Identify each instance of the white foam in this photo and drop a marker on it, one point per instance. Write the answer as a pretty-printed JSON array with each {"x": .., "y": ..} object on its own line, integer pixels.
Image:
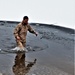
[
  {"x": 19, "y": 49},
  {"x": 16, "y": 48}
]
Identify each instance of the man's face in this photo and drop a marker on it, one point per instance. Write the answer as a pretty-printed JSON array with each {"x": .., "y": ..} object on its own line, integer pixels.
[{"x": 25, "y": 21}]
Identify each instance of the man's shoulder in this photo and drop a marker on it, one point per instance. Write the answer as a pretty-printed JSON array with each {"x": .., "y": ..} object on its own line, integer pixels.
[
  {"x": 19, "y": 24},
  {"x": 28, "y": 25}
]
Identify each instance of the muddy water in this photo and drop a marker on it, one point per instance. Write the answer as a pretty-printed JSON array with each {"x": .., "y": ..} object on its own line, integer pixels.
[{"x": 53, "y": 50}]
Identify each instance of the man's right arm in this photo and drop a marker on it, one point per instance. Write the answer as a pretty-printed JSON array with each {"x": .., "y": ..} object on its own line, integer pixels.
[{"x": 16, "y": 31}]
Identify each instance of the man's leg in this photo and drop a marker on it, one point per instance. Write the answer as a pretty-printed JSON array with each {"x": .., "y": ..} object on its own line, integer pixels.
[
  {"x": 24, "y": 44},
  {"x": 19, "y": 44}
]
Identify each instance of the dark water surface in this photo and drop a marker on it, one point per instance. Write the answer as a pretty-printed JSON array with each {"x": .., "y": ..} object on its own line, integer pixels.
[{"x": 52, "y": 51}]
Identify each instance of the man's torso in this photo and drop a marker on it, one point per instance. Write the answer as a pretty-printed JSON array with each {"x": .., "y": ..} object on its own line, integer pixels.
[{"x": 23, "y": 31}]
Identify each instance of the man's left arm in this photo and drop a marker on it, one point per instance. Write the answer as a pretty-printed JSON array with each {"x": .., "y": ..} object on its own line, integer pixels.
[{"x": 31, "y": 30}]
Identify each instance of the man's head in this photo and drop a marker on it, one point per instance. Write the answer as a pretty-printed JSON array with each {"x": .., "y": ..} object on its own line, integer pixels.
[{"x": 25, "y": 20}]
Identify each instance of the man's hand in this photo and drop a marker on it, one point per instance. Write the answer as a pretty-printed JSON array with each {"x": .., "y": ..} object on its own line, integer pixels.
[
  {"x": 18, "y": 38},
  {"x": 36, "y": 33}
]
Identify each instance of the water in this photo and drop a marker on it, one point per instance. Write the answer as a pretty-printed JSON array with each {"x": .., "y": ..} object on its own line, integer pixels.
[{"x": 53, "y": 48}]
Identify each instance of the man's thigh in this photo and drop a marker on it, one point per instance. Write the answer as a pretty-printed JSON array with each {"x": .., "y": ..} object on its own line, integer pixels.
[{"x": 23, "y": 43}]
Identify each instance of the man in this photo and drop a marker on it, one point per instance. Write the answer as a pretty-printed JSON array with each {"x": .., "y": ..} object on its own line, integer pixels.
[{"x": 20, "y": 32}]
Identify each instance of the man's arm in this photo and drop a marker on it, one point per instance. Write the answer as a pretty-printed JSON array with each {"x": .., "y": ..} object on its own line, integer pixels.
[
  {"x": 31, "y": 30},
  {"x": 16, "y": 31}
]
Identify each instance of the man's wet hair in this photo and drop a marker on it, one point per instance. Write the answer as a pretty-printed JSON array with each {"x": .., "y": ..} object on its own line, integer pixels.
[{"x": 25, "y": 17}]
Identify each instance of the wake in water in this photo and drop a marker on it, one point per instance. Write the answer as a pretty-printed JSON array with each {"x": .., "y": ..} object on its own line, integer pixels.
[
  {"x": 14, "y": 50},
  {"x": 19, "y": 49}
]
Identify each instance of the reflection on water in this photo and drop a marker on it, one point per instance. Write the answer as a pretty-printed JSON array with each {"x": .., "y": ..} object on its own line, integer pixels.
[
  {"x": 55, "y": 46},
  {"x": 20, "y": 67}
]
